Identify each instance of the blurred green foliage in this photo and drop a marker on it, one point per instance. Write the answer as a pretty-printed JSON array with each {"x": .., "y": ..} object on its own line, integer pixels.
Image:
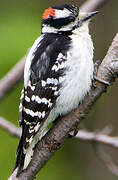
[{"x": 20, "y": 25}]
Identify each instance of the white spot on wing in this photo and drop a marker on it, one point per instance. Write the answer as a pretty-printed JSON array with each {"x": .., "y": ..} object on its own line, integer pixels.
[
  {"x": 33, "y": 114},
  {"x": 59, "y": 56},
  {"x": 42, "y": 100},
  {"x": 61, "y": 79},
  {"x": 41, "y": 115},
  {"x": 29, "y": 140},
  {"x": 29, "y": 123},
  {"x": 31, "y": 130},
  {"x": 30, "y": 112},
  {"x": 32, "y": 87},
  {"x": 54, "y": 88},
  {"x": 60, "y": 62},
  {"x": 22, "y": 96},
  {"x": 22, "y": 91},
  {"x": 56, "y": 93},
  {"x": 20, "y": 106},
  {"x": 52, "y": 81},
  {"x": 27, "y": 99},
  {"x": 55, "y": 68},
  {"x": 43, "y": 83},
  {"x": 37, "y": 127}
]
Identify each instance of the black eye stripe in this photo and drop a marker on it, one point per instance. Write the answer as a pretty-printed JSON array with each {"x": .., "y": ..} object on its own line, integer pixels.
[{"x": 60, "y": 22}]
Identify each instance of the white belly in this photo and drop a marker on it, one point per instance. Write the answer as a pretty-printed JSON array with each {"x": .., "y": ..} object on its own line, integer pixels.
[{"x": 77, "y": 81}]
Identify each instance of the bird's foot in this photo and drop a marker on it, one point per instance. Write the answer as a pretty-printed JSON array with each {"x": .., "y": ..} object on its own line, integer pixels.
[
  {"x": 106, "y": 83},
  {"x": 72, "y": 133}
]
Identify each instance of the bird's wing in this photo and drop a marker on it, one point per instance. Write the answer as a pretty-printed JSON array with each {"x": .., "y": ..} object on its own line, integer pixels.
[{"x": 39, "y": 95}]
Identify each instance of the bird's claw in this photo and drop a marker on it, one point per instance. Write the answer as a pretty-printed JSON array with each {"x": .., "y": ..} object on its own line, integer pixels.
[{"x": 106, "y": 83}]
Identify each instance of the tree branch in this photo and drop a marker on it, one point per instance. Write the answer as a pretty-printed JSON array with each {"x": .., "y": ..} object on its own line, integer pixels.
[
  {"x": 83, "y": 135},
  {"x": 91, "y": 5},
  {"x": 59, "y": 132},
  {"x": 10, "y": 128},
  {"x": 98, "y": 137},
  {"x": 12, "y": 78}
]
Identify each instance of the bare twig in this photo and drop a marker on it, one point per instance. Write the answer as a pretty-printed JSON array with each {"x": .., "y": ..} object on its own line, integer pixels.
[
  {"x": 91, "y": 5},
  {"x": 12, "y": 78},
  {"x": 101, "y": 137},
  {"x": 107, "y": 159},
  {"x": 10, "y": 128},
  {"x": 97, "y": 137}
]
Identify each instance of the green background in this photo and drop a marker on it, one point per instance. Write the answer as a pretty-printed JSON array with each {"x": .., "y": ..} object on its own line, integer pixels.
[{"x": 20, "y": 25}]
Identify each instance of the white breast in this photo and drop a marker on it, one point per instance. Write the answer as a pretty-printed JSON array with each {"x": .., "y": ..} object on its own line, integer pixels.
[{"x": 77, "y": 81}]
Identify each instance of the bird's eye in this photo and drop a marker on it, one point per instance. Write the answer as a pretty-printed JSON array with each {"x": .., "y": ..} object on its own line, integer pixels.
[{"x": 72, "y": 18}]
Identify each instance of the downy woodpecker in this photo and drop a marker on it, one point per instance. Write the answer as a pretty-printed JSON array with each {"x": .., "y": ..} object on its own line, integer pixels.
[{"x": 58, "y": 74}]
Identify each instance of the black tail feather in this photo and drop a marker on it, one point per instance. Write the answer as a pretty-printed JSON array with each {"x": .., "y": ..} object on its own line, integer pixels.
[{"x": 20, "y": 152}]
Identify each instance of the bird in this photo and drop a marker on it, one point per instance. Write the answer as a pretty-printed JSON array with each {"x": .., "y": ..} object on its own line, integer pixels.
[{"x": 58, "y": 74}]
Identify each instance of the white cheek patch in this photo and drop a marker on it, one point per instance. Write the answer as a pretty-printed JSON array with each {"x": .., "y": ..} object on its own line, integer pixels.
[{"x": 62, "y": 13}]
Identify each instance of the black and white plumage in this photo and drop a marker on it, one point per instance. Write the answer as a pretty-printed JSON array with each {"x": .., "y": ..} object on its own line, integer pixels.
[{"x": 58, "y": 74}]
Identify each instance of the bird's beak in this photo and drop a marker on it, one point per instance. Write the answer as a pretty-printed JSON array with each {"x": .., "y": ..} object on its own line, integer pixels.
[{"x": 86, "y": 16}]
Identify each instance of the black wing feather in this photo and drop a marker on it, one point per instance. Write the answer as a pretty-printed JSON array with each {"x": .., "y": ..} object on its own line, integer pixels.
[{"x": 44, "y": 58}]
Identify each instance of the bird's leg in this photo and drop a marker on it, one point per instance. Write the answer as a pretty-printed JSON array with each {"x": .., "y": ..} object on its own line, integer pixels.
[
  {"x": 75, "y": 130},
  {"x": 106, "y": 83},
  {"x": 73, "y": 133}
]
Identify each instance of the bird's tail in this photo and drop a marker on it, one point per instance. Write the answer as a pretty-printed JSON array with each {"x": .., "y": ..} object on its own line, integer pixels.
[
  {"x": 19, "y": 164},
  {"x": 25, "y": 149},
  {"x": 26, "y": 146}
]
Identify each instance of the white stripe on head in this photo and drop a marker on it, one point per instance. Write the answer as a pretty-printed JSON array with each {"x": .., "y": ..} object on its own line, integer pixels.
[{"x": 62, "y": 13}]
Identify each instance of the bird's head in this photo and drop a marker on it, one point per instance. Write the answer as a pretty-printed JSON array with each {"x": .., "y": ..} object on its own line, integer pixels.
[{"x": 64, "y": 18}]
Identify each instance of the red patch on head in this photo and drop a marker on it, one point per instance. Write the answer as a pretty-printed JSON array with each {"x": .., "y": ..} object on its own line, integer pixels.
[{"x": 49, "y": 13}]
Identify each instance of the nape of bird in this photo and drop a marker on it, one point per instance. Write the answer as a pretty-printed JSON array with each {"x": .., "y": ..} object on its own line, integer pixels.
[{"x": 58, "y": 74}]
